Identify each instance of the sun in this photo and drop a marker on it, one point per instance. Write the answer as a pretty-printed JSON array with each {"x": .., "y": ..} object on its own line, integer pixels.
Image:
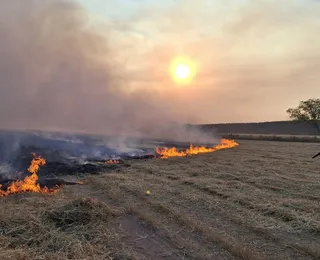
[{"x": 182, "y": 70}]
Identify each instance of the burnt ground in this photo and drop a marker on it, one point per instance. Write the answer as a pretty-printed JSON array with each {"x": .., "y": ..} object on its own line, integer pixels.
[
  {"x": 65, "y": 155},
  {"x": 257, "y": 201},
  {"x": 69, "y": 155}
]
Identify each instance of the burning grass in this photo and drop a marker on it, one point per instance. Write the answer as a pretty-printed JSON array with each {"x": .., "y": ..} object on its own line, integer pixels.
[
  {"x": 194, "y": 150},
  {"x": 113, "y": 161},
  {"x": 30, "y": 183}
]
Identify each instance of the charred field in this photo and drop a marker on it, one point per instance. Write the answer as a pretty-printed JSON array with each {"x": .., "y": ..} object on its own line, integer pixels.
[
  {"x": 259, "y": 200},
  {"x": 65, "y": 155}
]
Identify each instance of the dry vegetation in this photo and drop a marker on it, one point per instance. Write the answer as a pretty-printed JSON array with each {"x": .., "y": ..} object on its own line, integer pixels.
[{"x": 257, "y": 201}]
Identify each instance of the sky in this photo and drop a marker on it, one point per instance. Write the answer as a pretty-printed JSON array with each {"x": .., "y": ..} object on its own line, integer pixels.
[
  {"x": 256, "y": 58},
  {"x": 104, "y": 65}
]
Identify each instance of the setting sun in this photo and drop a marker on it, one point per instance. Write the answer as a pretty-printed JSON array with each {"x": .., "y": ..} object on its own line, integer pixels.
[{"x": 182, "y": 70}]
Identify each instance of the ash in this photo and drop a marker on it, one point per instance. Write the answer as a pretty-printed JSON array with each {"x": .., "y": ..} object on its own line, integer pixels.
[{"x": 65, "y": 154}]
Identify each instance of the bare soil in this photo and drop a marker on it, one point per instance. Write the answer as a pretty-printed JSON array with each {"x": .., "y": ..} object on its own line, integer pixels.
[{"x": 260, "y": 200}]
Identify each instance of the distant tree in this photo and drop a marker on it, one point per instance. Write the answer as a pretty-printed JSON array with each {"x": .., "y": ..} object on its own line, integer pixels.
[{"x": 308, "y": 111}]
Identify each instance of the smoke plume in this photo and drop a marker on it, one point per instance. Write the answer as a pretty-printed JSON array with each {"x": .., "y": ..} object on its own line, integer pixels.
[{"x": 62, "y": 68}]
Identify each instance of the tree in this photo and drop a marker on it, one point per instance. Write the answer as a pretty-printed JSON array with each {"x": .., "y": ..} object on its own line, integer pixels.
[{"x": 309, "y": 111}]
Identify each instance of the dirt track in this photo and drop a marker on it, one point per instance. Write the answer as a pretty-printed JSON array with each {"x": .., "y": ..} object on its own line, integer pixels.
[{"x": 257, "y": 201}]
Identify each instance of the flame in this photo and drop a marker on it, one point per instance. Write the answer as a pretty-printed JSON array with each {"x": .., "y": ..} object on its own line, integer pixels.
[
  {"x": 30, "y": 183},
  {"x": 193, "y": 150},
  {"x": 113, "y": 161}
]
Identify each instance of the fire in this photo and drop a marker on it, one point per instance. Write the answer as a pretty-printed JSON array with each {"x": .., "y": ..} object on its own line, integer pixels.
[
  {"x": 193, "y": 150},
  {"x": 112, "y": 161},
  {"x": 30, "y": 183}
]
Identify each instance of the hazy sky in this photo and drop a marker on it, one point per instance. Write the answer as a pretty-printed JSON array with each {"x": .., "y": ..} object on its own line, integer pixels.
[
  {"x": 256, "y": 58},
  {"x": 103, "y": 65}
]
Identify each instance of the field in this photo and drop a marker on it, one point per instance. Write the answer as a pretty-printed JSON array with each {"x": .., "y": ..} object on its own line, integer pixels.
[{"x": 260, "y": 200}]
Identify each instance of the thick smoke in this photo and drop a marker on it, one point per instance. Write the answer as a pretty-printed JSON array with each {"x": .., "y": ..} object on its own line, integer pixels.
[{"x": 60, "y": 70}]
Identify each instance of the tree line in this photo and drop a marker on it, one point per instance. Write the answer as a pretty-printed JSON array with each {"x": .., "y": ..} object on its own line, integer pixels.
[{"x": 307, "y": 111}]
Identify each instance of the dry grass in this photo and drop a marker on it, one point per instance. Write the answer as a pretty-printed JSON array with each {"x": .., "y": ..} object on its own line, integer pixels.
[{"x": 258, "y": 201}]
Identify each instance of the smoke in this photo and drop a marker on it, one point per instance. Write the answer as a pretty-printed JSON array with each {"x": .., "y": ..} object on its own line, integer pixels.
[{"x": 63, "y": 68}]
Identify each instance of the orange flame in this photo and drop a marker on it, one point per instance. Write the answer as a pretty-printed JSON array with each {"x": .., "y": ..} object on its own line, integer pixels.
[
  {"x": 113, "y": 162},
  {"x": 30, "y": 183},
  {"x": 193, "y": 150}
]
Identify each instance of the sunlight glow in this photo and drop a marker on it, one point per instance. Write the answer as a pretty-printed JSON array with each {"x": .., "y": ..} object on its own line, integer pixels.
[{"x": 182, "y": 70}]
